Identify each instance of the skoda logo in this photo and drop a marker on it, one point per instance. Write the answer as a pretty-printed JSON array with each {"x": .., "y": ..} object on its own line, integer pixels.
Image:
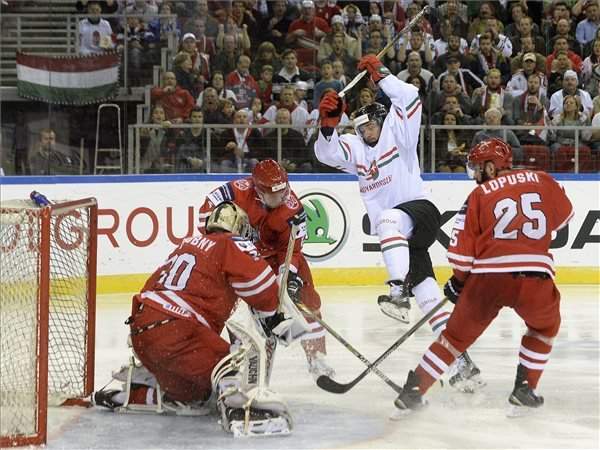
[{"x": 326, "y": 225}]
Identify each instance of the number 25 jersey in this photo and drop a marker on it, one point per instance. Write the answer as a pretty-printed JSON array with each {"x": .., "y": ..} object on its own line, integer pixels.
[{"x": 507, "y": 225}]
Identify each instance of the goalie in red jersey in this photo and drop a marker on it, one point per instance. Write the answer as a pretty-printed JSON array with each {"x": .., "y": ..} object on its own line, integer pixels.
[
  {"x": 271, "y": 206},
  {"x": 499, "y": 250}
]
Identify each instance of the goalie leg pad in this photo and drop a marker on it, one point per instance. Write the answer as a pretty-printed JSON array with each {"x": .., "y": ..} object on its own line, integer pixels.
[{"x": 245, "y": 403}]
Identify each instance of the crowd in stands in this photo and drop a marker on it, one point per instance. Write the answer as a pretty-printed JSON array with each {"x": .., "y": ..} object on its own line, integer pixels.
[{"x": 252, "y": 62}]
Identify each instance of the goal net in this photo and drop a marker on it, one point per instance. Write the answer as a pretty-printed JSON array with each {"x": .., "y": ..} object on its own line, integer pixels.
[{"x": 47, "y": 312}]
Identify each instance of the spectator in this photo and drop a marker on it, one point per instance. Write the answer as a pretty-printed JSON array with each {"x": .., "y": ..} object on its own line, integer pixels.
[
  {"x": 569, "y": 87},
  {"x": 276, "y": 26},
  {"x": 327, "y": 81},
  {"x": 449, "y": 87},
  {"x": 531, "y": 108},
  {"x": 338, "y": 71},
  {"x": 305, "y": 33},
  {"x": 191, "y": 144},
  {"x": 414, "y": 68},
  {"x": 205, "y": 44},
  {"x": 95, "y": 33},
  {"x": 451, "y": 105},
  {"x": 211, "y": 107},
  {"x": 141, "y": 7},
  {"x": 518, "y": 82},
  {"x": 421, "y": 85},
  {"x": 563, "y": 30},
  {"x": 365, "y": 97},
  {"x": 440, "y": 45},
  {"x": 453, "y": 51},
  {"x": 455, "y": 13},
  {"x": 340, "y": 53},
  {"x": 202, "y": 11},
  {"x": 200, "y": 64},
  {"x": 493, "y": 117},
  {"x": 500, "y": 43},
  {"x": 20, "y": 144},
  {"x": 158, "y": 144},
  {"x": 240, "y": 35},
  {"x": 140, "y": 49},
  {"x": 176, "y": 101},
  {"x": 465, "y": 78},
  {"x": 417, "y": 43},
  {"x": 450, "y": 146},
  {"x": 517, "y": 12},
  {"x": 353, "y": 20},
  {"x": 227, "y": 109},
  {"x": 265, "y": 54},
  {"x": 226, "y": 58},
  {"x": 48, "y": 158},
  {"x": 587, "y": 28},
  {"x": 527, "y": 29},
  {"x": 559, "y": 10},
  {"x": 412, "y": 9},
  {"x": 290, "y": 72},
  {"x": 255, "y": 114},
  {"x": 374, "y": 44},
  {"x": 480, "y": 23},
  {"x": 265, "y": 85},
  {"x": 299, "y": 115},
  {"x": 561, "y": 64},
  {"x": 486, "y": 57},
  {"x": 295, "y": 155},
  {"x": 218, "y": 82},
  {"x": 300, "y": 92},
  {"x": 569, "y": 116},
  {"x": 238, "y": 146},
  {"x": 184, "y": 74},
  {"x": 562, "y": 45},
  {"x": 242, "y": 84},
  {"x": 591, "y": 70},
  {"x": 527, "y": 46},
  {"x": 162, "y": 28},
  {"x": 493, "y": 95},
  {"x": 353, "y": 46},
  {"x": 326, "y": 10},
  {"x": 244, "y": 20}
]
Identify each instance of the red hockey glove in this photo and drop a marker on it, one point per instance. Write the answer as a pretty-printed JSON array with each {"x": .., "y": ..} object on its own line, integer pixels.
[
  {"x": 376, "y": 69},
  {"x": 330, "y": 110}
]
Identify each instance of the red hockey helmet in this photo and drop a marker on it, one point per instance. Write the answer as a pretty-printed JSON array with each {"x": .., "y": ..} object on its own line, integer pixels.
[
  {"x": 494, "y": 150},
  {"x": 271, "y": 183}
]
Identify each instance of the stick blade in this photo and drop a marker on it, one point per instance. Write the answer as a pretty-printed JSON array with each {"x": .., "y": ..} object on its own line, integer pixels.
[{"x": 330, "y": 385}]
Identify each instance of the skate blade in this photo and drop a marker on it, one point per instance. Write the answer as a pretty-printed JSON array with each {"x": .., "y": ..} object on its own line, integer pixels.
[
  {"x": 276, "y": 426},
  {"x": 515, "y": 411},
  {"x": 400, "y": 414},
  {"x": 390, "y": 310}
]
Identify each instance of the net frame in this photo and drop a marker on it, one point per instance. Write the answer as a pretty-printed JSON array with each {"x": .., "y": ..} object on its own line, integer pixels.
[{"x": 46, "y": 394}]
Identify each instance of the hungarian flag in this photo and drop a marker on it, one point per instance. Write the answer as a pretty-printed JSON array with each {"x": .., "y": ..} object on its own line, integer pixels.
[{"x": 68, "y": 80}]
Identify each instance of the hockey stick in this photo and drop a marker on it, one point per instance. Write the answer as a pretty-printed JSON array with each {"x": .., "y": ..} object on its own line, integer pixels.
[
  {"x": 380, "y": 55},
  {"x": 352, "y": 350},
  {"x": 329, "y": 385}
]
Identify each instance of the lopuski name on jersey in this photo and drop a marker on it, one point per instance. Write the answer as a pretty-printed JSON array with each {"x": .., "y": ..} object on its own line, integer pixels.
[
  {"x": 508, "y": 180},
  {"x": 201, "y": 242}
]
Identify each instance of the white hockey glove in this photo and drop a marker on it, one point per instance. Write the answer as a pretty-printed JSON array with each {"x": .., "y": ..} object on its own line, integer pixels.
[{"x": 285, "y": 329}]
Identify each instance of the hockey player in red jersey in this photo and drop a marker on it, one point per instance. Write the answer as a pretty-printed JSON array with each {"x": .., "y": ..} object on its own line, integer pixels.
[
  {"x": 178, "y": 316},
  {"x": 499, "y": 250},
  {"x": 271, "y": 206}
]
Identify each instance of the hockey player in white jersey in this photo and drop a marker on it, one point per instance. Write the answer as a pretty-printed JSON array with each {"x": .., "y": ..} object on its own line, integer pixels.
[{"x": 383, "y": 155}]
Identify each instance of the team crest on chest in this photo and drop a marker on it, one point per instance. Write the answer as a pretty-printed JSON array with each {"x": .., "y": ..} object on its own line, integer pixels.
[
  {"x": 373, "y": 172},
  {"x": 291, "y": 202},
  {"x": 242, "y": 185}
]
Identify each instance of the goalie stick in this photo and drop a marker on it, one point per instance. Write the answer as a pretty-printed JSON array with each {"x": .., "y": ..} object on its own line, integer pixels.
[{"x": 329, "y": 385}]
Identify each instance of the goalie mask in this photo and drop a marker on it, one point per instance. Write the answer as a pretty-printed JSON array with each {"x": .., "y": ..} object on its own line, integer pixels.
[
  {"x": 271, "y": 183},
  {"x": 229, "y": 217},
  {"x": 368, "y": 122}
]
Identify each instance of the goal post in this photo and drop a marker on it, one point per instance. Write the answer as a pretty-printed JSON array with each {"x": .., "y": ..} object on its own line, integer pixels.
[{"x": 47, "y": 312}]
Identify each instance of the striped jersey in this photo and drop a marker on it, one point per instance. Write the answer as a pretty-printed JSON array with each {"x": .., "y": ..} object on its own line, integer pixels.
[
  {"x": 507, "y": 223},
  {"x": 388, "y": 173},
  {"x": 204, "y": 276}
]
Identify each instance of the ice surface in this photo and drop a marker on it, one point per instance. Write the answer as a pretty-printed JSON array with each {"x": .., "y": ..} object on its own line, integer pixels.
[{"x": 359, "y": 418}]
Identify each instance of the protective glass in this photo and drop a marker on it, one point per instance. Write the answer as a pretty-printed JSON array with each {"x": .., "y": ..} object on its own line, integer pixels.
[{"x": 472, "y": 169}]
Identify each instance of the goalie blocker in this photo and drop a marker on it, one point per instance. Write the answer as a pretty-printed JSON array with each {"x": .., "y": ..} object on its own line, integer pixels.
[{"x": 184, "y": 305}]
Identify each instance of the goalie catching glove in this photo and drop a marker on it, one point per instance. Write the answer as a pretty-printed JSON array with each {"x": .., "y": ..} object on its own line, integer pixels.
[
  {"x": 377, "y": 71},
  {"x": 285, "y": 329},
  {"x": 331, "y": 109}
]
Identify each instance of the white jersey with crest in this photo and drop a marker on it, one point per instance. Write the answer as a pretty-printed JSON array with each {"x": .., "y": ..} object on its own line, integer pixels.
[{"x": 388, "y": 173}]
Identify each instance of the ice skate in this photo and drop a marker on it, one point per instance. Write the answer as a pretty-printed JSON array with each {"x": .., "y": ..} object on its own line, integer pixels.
[
  {"x": 397, "y": 304},
  {"x": 410, "y": 399},
  {"x": 317, "y": 366},
  {"x": 523, "y": 400},
  {"x": 465, "y": 376},
  {"x": 107, "y": 398}
]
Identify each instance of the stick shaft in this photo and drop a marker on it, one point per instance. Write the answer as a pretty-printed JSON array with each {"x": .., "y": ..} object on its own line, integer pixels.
[{"x": 385, "y": 49}]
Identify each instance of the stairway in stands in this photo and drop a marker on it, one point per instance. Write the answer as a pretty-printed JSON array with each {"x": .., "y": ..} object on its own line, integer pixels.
[{"x": 44, "y": 27}]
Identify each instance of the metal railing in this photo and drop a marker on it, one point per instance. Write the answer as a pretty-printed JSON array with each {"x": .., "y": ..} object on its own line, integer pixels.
[
  {"x": 427, "y": 140},
  {"x": 505, "y": 129}
]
